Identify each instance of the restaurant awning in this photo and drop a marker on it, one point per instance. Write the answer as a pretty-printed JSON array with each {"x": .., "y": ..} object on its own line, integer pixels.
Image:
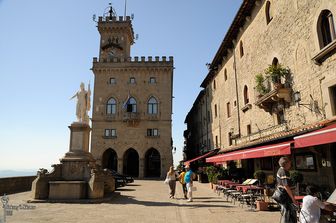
[
  {"x": 212, "y": 152},
  {"x": 258, "y": 152},
  {"x": 322, "y": 136}
]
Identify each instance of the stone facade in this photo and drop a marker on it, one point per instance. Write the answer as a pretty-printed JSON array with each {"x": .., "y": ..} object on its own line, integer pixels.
[
  {"x": 264, "y": 33},
  {"x": 131, "y": 139}
]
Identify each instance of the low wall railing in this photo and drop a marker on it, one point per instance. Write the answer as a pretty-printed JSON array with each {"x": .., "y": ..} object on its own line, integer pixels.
[{"x": 11, "y": 185}]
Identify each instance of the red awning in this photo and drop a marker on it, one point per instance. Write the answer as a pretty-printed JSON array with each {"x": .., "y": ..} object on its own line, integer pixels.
[
  {"x": 258, "y": 152},
  {"x": 200, "y": 157},
  {"x": 318, "y": 137}
]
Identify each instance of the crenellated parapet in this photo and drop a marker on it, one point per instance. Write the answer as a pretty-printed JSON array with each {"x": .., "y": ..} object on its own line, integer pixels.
[
  {"x": 107, "y": 25},
  {"x": 114, "y": 19},
  {"x": 135, "y": 60}
]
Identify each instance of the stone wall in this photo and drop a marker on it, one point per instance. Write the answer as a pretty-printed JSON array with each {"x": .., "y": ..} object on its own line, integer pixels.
[
  {"x": 292, "y": 38},
  {"x": 11, "y": 185}
]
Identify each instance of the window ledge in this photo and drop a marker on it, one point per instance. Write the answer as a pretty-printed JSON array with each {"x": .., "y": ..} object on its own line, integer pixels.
[
  {"x": 153, "y": 137},
  {"x": 152, "y": 117},
  {"x": 109, "y": 137},
  {"x": 110, "y": 117},
  {"x": 324, "y": 52}
]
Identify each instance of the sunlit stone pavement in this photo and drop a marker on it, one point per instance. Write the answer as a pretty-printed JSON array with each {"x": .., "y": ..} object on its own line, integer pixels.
[{"x": 142, "y": 201}]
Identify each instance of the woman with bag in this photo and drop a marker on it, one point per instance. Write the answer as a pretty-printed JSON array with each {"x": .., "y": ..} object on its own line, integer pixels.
[
  {"x": 283, "y": 194},
  {"x": 171, "y": 180}
]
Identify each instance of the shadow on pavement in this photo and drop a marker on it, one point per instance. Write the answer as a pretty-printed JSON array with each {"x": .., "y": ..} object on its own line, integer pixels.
[
  {"x": 126, "y": 200},
  {"x": 196, "y": 198},
  {"x": 124, "y": 189}
]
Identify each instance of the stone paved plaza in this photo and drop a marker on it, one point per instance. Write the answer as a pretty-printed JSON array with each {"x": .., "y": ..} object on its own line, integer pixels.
[{"x": 142, "y": 201}]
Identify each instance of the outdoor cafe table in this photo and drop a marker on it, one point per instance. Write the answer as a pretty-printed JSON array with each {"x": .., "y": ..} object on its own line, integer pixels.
[
  {"x": 245, "y": 188},
  {"x": 298, "y": 198},
  {"x": 224, "y": 182}
]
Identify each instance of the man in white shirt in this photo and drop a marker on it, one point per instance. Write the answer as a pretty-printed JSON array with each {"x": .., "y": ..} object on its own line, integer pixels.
[{"x": 311, "y": 206}]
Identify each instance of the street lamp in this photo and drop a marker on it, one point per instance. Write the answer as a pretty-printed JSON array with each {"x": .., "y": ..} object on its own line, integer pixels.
[{"x": 312, "y": 106}]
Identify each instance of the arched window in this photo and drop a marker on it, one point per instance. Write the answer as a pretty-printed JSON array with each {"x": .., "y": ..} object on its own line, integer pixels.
[
  {"x": 275, "y": 79},
  {"x": 241, "y": 48},
  {"x": 215, "y": 110},
  {"x": 152, "y": 106},
  {"x": 131, "y": 105},
  {"x": 111, "y": 106},
  {"x": 268, "y": 10},
  {"x": 326, "y": 28},
  {"x": 246, "y": 95},
  {"x": 225, "y": 74},
  {"x": 275, "y": 61}
]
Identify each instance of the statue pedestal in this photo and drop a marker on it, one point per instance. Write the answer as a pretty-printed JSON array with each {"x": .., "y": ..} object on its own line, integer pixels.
[
  {"x": 60, "y": 190},
  {"x": 78, "y": 162},
  {"x": 78, "y": 176}
]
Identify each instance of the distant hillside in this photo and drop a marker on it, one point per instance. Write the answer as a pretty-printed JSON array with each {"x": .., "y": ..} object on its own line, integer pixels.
[{"x": 16, "y": 173}]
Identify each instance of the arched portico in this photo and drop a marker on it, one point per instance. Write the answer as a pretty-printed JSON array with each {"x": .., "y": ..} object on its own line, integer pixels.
[
  {"x": 152, "y": 163},
  {"x": 131, "y": 163},
  {"x": 110, "y": 159}
]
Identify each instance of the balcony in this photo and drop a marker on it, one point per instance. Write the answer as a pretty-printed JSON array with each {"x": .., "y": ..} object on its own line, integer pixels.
[
  {"x": 270, "y": 93},
  {"x": 267, "y": 100},
  {"x": 131, "y": 117}
]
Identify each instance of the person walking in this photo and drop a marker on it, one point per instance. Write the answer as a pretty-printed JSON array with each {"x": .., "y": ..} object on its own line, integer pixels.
[
  {"x": 171, "y": 177},
  {"x": 184, "y": 186},
  {"x": 284, "y": 184},
  {"x": 188, "y": 179}
]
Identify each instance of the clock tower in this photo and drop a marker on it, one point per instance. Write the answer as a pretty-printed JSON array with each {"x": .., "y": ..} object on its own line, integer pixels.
[{"x": 132, "y": 104}]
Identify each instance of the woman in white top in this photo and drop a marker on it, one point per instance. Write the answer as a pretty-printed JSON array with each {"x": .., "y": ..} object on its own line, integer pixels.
[
  {"x": 311, "y": 206},
  {"x": 171, "y": 177}
]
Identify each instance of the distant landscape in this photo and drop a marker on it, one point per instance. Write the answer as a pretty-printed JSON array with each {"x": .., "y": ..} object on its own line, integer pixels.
[{"x": 16, "y": 173}]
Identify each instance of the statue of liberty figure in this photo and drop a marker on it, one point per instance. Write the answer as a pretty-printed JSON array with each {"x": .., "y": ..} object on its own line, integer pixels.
[{"x": 83, "y": 103}]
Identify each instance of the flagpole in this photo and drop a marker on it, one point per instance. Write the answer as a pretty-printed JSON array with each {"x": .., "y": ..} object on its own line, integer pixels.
[{"x": 125, "y": 9}]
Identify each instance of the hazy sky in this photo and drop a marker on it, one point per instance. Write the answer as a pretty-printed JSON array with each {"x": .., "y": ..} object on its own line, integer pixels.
[{"x": 46, "y": 50}]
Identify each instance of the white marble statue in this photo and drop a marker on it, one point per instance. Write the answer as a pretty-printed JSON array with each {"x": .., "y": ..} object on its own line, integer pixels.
[{"x": 83, "y": 103}]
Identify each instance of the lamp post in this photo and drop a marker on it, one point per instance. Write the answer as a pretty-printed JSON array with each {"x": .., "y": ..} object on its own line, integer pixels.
[{"x": 312, "y": 106}]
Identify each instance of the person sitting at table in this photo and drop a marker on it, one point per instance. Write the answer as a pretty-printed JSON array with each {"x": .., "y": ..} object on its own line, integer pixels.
[{"x": 311, "y": 206}]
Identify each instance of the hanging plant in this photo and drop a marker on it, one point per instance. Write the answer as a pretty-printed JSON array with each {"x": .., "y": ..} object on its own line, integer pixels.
[{"x": 260, "y": 87}]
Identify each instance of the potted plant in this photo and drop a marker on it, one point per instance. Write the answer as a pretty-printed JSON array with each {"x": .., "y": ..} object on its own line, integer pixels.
[
  {"x": 260, "y": 87},
  {"x": 212, "y": 173},
  {"x": 297, "y": 179},
  {"x": 276, "y": 72},
  {"x": 260, "y": 175},
  {"x": 223, "y": 173}
]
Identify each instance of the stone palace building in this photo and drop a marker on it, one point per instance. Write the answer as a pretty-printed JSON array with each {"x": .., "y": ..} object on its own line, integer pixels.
[
  {"x": 132, "y": 104},
  {"x": 271, "y": 91}
]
